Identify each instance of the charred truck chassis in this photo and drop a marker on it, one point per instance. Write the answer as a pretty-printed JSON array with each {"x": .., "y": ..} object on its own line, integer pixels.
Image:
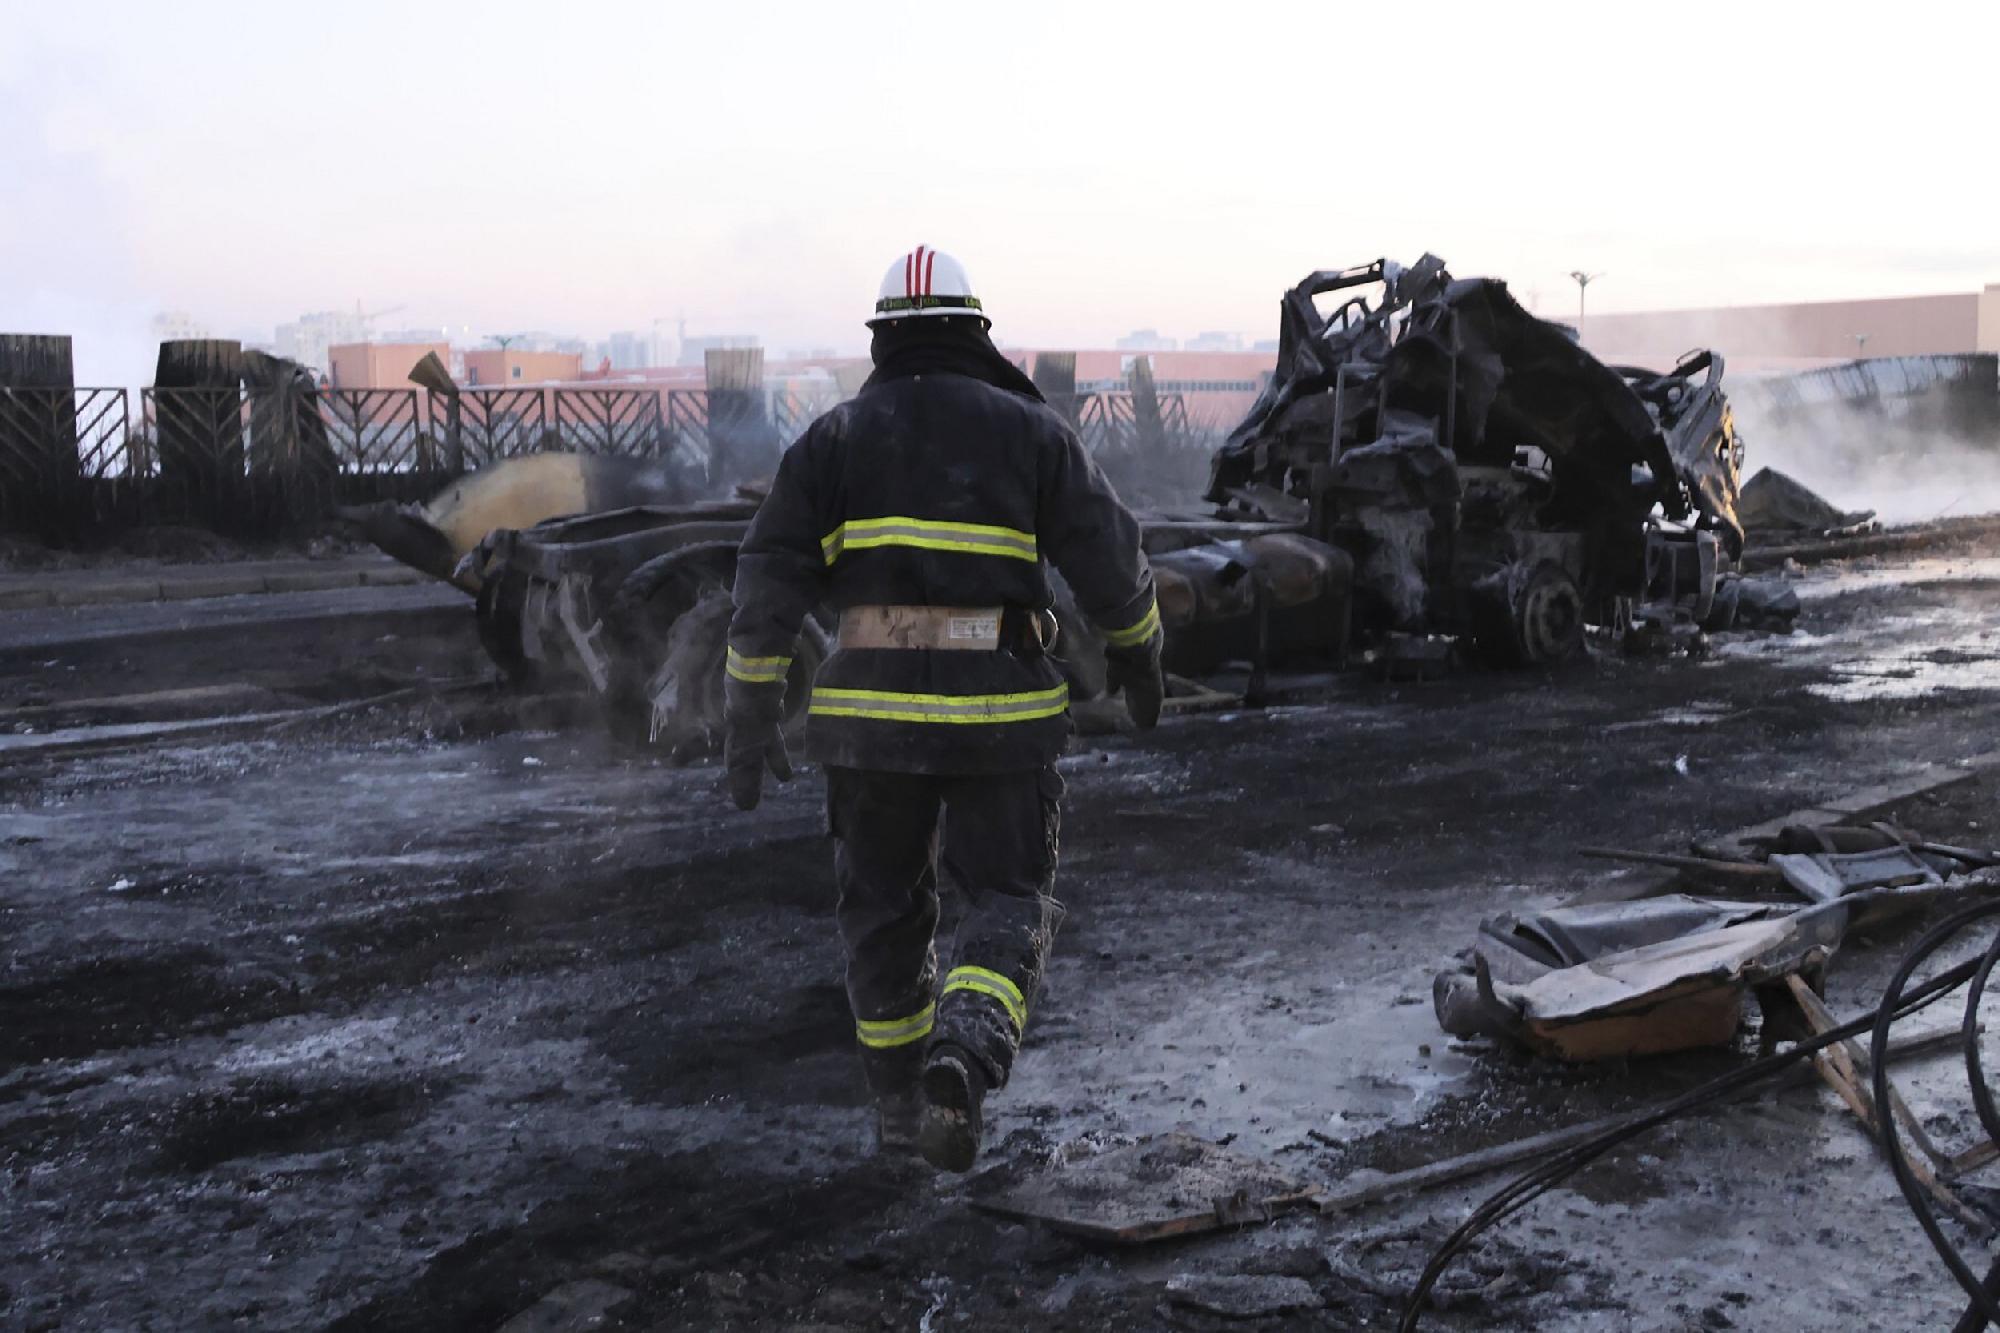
[
  {"x": 1493, "y": 482},
  {"x": 634, "y": 605}
]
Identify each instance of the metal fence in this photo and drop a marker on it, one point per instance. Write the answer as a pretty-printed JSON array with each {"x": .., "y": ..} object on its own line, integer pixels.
[
  {"x": 255, "y": 462},
  {"x": 481, "y": 426},
  {"x": 1128, "y": 423},
  {"x": 51, "y": 438}
]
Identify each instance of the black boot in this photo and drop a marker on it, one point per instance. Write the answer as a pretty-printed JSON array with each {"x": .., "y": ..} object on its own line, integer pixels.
[
  {"x": 894, "y": 1079},
  {"x": 898, "y": 1119},
  {"x": 954, "y": 1092}
]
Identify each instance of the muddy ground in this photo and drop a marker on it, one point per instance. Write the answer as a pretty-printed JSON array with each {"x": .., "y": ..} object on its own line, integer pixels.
[{"x": 411, "y": 1016}]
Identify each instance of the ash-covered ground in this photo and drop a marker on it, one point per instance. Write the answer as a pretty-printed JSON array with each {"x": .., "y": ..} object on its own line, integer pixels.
[{"x": 408, "y": 1017}]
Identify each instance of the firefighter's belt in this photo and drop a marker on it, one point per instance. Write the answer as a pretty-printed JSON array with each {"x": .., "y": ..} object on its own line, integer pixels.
[{"x": 950, "y": 628}]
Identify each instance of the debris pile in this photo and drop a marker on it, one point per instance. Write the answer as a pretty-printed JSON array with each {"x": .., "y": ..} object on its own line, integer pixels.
[
  {"x": 1607, "y": 980},
  {"x": 1775, "y": 507}
]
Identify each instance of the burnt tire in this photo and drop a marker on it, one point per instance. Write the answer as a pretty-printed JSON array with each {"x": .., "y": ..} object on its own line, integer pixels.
[
  {"x": 674, "y": 609},
  {"x": 498, "y": 612},
  {"x": 1527, "y": 615},
  {"x": 664, "y": 589}
]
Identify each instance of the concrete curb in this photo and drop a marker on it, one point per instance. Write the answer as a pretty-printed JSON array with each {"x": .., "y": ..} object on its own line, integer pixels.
[{"x": 220, "y": 582}]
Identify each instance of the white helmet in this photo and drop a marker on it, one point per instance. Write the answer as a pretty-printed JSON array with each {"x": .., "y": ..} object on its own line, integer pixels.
[{"x": 926, "y": 282}]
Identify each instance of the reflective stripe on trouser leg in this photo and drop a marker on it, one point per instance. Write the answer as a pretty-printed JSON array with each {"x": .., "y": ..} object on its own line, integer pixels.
[
  {"x": 888, "y": 1034},
  {"x": 983, "y": 981}
]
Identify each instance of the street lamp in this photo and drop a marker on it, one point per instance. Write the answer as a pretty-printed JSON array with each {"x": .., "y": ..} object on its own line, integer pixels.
[{"x": 1583, "y": 281}]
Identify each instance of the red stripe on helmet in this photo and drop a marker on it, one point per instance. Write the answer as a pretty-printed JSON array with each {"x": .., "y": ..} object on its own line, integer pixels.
[
  {"x": 930, "y": 267},
  {"x": 909, "y": 279}
]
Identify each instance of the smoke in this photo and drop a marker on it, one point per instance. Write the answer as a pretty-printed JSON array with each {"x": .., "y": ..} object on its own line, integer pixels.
[
  {"x": 65, "y": 229},
  {"x": 1911, "y": 460}
]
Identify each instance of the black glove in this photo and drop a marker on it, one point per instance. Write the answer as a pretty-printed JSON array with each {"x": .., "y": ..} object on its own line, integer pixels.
[
  {"x": 1137, "y": 674},
  {"x": 747, "y": 750}
]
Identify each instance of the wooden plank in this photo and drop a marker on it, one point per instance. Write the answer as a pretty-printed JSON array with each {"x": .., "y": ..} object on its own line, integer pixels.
[
  {"x": 1853, "y": 1063},
  {"x": 1978, "y": 1155},
  {"x": 1837, "y": 1065}
]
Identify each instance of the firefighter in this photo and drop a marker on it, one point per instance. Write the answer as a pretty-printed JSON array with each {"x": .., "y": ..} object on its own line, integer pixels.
[{"x": 923, "y": 514}]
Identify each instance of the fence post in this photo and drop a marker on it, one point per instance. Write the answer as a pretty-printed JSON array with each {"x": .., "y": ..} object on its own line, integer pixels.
[
  {"x": 1149, "y": 428},
  {"x": 291, "y": 456},
  {"x": 742, "y": 441},
  {"x": 1055, "y": 376},
  {"x": 38, "y": 431},
  {"x": 198, "y": 411}
]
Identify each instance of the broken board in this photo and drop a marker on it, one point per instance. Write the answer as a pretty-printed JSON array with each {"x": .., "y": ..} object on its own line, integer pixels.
[{"x": 1173, "y": 1185}]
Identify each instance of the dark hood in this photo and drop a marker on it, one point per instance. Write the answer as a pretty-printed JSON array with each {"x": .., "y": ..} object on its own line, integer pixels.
[{"x": 944, "y": 345}]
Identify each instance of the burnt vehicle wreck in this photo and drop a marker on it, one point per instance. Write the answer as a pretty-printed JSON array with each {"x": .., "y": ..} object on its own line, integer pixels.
[
  {"x": 1431, "y": 473},
  {"x": 1494, "y": 483}
]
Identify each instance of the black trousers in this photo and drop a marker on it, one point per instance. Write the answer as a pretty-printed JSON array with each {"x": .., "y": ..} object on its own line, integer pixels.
[{"x": 998, "y": 835}]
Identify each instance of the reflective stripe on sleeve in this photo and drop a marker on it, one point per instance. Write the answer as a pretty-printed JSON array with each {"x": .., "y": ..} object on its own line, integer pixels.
[
  {"x": 889, "y": 706},
  {"x": 892, "y": 1032},
  {"x": 1137, "y": 632},
  {"x": 989, "y": 983},
  {"x": 860, "y": 534},
  {"x": 757, "y": 670}
]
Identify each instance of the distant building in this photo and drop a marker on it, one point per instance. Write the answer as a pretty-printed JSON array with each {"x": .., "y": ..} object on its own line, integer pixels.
[
  {"x": 411, "y": 336},
  {"x": 177, "y": 326},
  {"x": 695, "y": 347},
  {"x": 308, "y": 338},
  {"x": 628, "y": 351},
  {"x": 1803, "y": 334},
  {"x": 1265, "y": 346},
  {"x": 1215, "y": 341},
  {"x": 1146, "y": 340},
  {"x": 494, "y": 366},
  {"x": 365, "y": 365}
]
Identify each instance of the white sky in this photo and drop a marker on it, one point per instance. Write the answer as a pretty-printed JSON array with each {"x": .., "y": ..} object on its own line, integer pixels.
[{"x": 584, "y": 167}]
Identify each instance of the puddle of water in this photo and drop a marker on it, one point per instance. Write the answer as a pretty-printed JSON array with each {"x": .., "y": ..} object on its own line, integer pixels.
[
  {"x": 426, "y": 860},
  {"x": 1698, "y": 714},
  {"x": 1914, "y": 656},
  {"x": 1905, "y": 655},
  {"x": 362, "y": 1041},
  {"x": 1834, "y": 582}
]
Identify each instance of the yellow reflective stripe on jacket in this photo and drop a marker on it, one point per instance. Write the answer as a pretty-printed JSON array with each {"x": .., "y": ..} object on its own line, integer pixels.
[
  {"x": 893, "y": 1032},
  {"x": 860, "y": 534},
  {"x": 889, "y": 706},
  {"x": 757, "y": 670},
  {"x": 984, "y": 982},
  {"x": 1137, "y": 632}
]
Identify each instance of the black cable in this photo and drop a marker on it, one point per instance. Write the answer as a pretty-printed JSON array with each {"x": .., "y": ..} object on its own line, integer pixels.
[
  {"x": 1974, "y": 1319},
  {"x": 1537, "y": 1180},
  {"x": 1982, "y": 1095},
  {"x": 1984, "y": 1308}
]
